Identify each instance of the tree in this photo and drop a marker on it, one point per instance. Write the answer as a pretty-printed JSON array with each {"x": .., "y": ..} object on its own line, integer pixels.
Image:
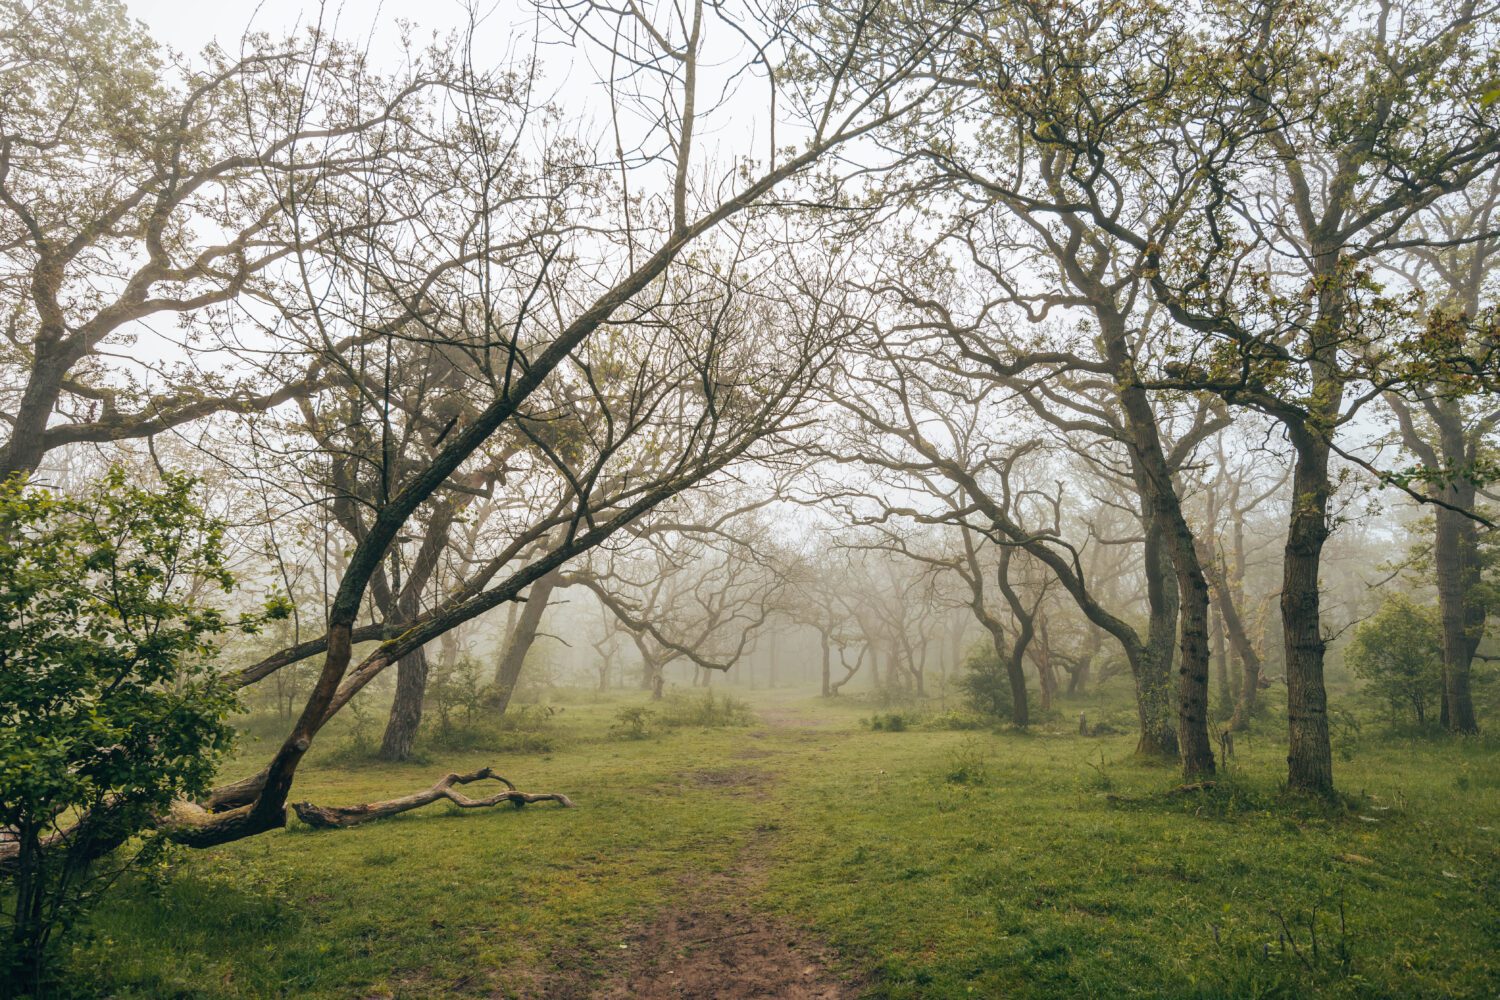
[
  {"x": 915, "y": 421},
  {"x": 110, "y": 703},
  {"x": 1328, "y": 130},
  {"x": 1398, "y": 652},
  {"x": 200, "y": 197},
  {"x": 1449, "y": 432}
]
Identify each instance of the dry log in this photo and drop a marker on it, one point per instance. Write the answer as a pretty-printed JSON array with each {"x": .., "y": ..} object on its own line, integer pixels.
[{"x": 341, "y": 816}]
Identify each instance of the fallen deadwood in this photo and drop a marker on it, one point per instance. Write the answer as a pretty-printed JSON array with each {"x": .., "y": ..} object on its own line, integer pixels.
[
  {"x": 1188, "y": 789},
  {"x": 1196, "y": 786},
  {"x": 341, "y": 816}
]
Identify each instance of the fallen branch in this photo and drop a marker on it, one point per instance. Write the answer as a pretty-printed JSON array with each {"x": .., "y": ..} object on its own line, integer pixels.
[
  {"x": 1196, "y": 786},
  {"x": 325, "y": 816}
]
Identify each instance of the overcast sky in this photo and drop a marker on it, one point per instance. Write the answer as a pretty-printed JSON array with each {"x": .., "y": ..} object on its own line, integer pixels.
[{"x": 190, "y": 24}]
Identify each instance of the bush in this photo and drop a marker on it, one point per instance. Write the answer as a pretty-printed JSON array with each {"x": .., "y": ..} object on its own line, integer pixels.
[
  {"x": 985, "y": 684},
  {"x": 632, "y": 723},
  {"x": 1398, "y": 653},
  {"x": 956, "y": 722},
  {"x": 893, "y": 722},
  {"x": 708, "y": 711},
  {"x": 454, "y": 689},
  {"x": 110, "y": 707}
]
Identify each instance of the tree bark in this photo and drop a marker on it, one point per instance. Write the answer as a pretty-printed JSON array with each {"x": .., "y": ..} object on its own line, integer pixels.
[
  {"x": 1309, "y": 752},
  {"x": 406, "y": 710},
  {"x": 1173, "y": 539}
]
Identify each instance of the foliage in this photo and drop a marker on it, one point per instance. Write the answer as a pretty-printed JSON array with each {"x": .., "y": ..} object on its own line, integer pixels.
[
  {"x": 985, "y": 684},
  {"x": 109, "y": 705},
  {"x": 522, "y": 729},
  {"x": 707, "y": 710},
  {"x": 454, "y": 688},
  {"x": 956, "y": 721},
  {"x": 893, "y": 722},
  {"x": 1398, "y": 653},
  {"x": 632, "y": 723}
]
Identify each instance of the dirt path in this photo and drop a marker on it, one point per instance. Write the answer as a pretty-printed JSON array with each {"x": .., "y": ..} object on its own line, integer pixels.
[{"x": 713, "y": 943}]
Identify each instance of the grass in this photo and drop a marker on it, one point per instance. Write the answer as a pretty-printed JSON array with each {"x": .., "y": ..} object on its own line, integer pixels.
[{"x": 940, "y": 861}]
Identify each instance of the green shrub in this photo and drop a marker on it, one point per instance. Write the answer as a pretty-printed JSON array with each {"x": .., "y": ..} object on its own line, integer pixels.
[
  {"x": 956, "y": 721},
  {"x": 985, "y": 684},
  {"x": 632, "y": 723},
  {"x": 110, "y": 706},
  {"x": 1398, "y": 653},
  {"x": 893, "y": 722},
  {"x": 455, "y": 690},
  {"x": 707, "y": 710}
]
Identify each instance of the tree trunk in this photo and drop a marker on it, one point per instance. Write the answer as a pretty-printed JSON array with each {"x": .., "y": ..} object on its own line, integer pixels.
[
  {"x": 1165, "y": 521},
  {"x": 1221, "y": 666},
  {"x": 827, "y": 663},
  {"x": 1455, "y": 559},
  {"x": 508, "y": 672},
  {"x": 1309, "y": 753},
  {"x": 406, "y": 710},
  {"x": 1249, "y": 659}
]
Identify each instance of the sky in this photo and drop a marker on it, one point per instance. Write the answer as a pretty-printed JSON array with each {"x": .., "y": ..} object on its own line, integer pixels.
[{"x": 188, "y": 25}]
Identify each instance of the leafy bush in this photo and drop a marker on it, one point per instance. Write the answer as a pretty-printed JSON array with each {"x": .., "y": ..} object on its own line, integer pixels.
[
  {"x": 985, "y": 684},
  {"x": 110, "y": 707},
  {"x": 633, "y": 723},
  {"x": 956, "y": 721},
  {"x": 707, "y": 711},
  {"x": 893, "y": 722},
  {"x": 522, "y": 729},
  {"x": 453, "y": 689},
  {"x": 1398, "y": 653}
]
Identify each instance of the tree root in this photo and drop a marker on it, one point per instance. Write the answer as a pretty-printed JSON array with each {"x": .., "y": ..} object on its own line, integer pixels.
[{"x": 323, "y": 817}]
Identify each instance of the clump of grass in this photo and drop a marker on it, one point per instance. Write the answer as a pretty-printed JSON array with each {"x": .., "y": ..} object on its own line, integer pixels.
[
  {"x": 1098, "y": 779},
  {"x": 498, "y": 739},
  {"x": 968, "y": 764}
]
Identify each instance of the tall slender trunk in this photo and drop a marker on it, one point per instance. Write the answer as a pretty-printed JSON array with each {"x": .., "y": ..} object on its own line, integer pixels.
[
  {"x": 1152, "y": 664},
  {"x": 827, "y": 663},
  {"x": 1229, "y": 614},
  {"x": 508, "y": 673},
  {"x": 1220, "y": 655},
  {"x": 1019, "y": 712}
]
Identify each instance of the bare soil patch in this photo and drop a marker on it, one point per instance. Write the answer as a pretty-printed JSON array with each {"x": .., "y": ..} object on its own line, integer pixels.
[
  {"x": 711, "y": 943},
  {"x": 731, "y": 953},
  {"x": 728, "y": 777}
]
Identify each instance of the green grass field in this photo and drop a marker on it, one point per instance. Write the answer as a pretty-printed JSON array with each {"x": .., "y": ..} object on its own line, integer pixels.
[{"x": 931, "y": 862}]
